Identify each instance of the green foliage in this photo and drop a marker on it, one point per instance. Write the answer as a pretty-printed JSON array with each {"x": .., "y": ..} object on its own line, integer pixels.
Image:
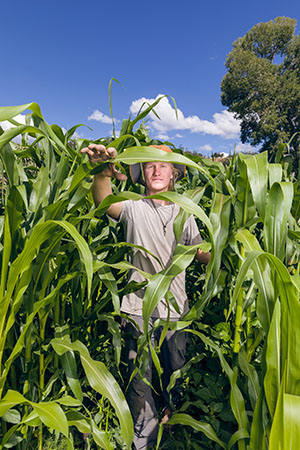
[
  {"x": 64, "y": 268},
  {"x": 261, "y": 86}
]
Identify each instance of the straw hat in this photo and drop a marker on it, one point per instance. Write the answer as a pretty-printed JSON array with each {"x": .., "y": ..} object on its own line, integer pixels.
[{"x": 136, "y": 169}]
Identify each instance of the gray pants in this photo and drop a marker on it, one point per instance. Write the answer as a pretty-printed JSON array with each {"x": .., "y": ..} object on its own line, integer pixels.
[{"x": 139, "y": 395}]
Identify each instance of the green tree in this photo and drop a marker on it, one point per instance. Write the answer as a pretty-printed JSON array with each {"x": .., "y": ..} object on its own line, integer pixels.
[{"x": 262, "y": 85}]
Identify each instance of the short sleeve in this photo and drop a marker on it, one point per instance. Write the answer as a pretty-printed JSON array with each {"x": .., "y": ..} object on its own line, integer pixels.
[{"x": 126, "y": 212}]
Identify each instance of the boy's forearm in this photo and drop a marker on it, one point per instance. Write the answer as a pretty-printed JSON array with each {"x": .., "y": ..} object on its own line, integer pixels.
[{"x": 101, "y": 188}]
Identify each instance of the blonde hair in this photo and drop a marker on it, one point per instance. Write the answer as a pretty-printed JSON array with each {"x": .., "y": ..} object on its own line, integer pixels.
[{"x": 176, "y": 175}]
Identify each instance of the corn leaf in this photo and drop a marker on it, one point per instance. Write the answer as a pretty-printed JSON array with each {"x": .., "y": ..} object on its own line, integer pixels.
[
  {"x": 203, "y": 427},
  {"x": 159, "y": 283},
  {"x": 277, "y": 212},
  {"x": 272, "y": 378},
  {"x": 257, "y": 171},
  {"x": 50, "y": 413},
  {"x": 102, "y": 381}
]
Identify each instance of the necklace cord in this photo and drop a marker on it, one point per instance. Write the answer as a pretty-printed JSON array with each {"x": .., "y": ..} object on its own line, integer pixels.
[{"x": 164, "y": 224}]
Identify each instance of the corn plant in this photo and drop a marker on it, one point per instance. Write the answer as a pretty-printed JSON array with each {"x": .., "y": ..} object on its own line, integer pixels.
[
  {"x": 64, "y": 269},
  {"x": 48, "y": 279}
]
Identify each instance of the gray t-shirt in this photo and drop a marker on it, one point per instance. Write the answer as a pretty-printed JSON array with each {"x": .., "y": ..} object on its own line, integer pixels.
[{"x": 144, "y": 222}]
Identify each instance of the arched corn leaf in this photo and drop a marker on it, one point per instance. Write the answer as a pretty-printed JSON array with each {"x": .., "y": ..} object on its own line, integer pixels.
[
  {"x": 102, "y": 381},
  {"x": 50, "y": 413},
  {"x": 185, "y": 419}
]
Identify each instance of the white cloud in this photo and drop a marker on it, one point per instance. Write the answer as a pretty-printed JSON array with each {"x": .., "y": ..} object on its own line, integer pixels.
[
  {"x": 162, "y": 137},
  {"x": 111, "y": 132},
  {"x": 75, "y": 135},
  {"x": 244, "y": 148},
  {"x": 224, "y": 124},
  {"x": 178, "y": 135},
  {"x": 21, "y": 119},
  {"x": 206, "y": 148},
  {"x": 100, "y": 117},
  {"x": 6, "y": 125}
]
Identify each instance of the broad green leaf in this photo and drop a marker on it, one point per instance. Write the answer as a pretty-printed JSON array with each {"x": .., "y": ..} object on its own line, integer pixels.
[
  {"x": 19, "y": 345},
  {"x": 41, "y": 233},
  {"x": 178, "y": 373},
  {"x": 275, "y": 173},
  {"x": 142, "y": 154},
  {"x": 244, "y": 207},
  {"x": 11, "y": 399},
  {"x": 101, "y": 438},
  {"x": 67, "y": 400},
  {"x": 195, "y": 195},
  {"x": 276, "y": 217},
  {"x": 272, "y": 378},
  {"x": 15, "y": 211},
  {"x": 219, "y": 217},
  {"x": 87, "y": 426},
  {"x": 40, "y": 194},
  {"x": 72, "y": 130},
  {"x": 159, "y": 283},
  {"x": 296, "y": 280},
  {"x": 109, "y": 280},
  {"x": 276, "y": 441},
  {"x": 123, "y": 138},
  {"x": 50, "y": 413},
  {"x": 257, "y": 170},
  {"x": 114, "y": 330},
  {"x": 250, "y": 372},
  {"x": 242, "y": 275},
  {"x": 8, "y": 112},
  {"x": 80, "y": 174},
  {"x": 291, "y": 420},
  {"x": 203, "y": 427},
  {"x": 58, "y": 131},
  {"x": 237, "y": 436},
  {"x": 10, "y": 438},
  {"x": 14, "y": 170},
  {"x": 187, "y": 205},
  {"x": 102, "y": 381},
  {"x": 68, "y": 363},
  {"x": 11, "y": 133},
  {"x": 236, "y": 398},
  {"x": 12, "y": 416},
  {"x": 259, "y": 423},
  {"x": 290, "y": 331},
  {"x": 123, "y": 266},
  {"x": 262, "y": 278},
  {"x": 5, "y": 255}
]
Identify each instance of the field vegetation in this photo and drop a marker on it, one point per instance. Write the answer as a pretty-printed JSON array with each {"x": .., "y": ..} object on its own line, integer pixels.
[{"x": 64, "y": 266}]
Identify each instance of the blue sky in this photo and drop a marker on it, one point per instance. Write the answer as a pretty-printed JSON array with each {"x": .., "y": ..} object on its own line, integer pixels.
[{"x": 62, "y": 55}]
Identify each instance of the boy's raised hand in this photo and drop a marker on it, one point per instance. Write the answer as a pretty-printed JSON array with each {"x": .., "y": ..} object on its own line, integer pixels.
[{"x": 98, "y": 153}]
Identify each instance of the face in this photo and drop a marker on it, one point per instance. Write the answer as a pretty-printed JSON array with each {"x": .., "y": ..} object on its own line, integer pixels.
[{"x": 158, "y": 176}]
